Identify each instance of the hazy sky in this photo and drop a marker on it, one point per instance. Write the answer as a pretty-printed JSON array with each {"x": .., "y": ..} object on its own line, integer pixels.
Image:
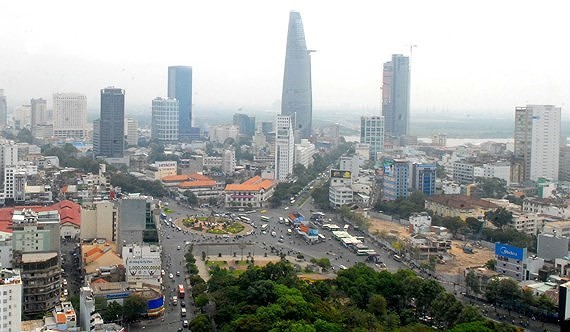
[{"x": 472, "y": 56}]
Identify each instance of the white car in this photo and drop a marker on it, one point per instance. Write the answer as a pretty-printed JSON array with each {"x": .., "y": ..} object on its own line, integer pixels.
[
  {"x": 64, "y": 282},
  {"x": 171, "y": 276},
  {"x": 65, "y": 292}
]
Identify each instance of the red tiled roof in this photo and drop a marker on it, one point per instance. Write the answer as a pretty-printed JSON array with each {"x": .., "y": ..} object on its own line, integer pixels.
[
  {"x": 198, "y": 177},
  {"x": 69, "y": 212},
  {"x": 197, "y": 183},
  {"x": 175, "y": 178},
  {"x": 256, "y": 183}
]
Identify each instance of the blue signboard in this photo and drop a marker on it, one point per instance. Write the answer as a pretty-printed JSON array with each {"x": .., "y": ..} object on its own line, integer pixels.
[
  {"x": 117, "y": 295},
  {"x": 313, "y": 232},
  {"x": 156, "y": 303},
  {"x": 505, "y": 250}
]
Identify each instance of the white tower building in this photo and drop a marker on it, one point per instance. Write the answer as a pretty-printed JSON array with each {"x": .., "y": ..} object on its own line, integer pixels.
[
  {"x": 537, "y": 142},
  {"x": 284, "y": 147},
  {"x": 165, "y": 115},
  {"x": 11, "y": 305},
  {"x": 372, "y": 133},
  {"x": 69, "y": 115}
]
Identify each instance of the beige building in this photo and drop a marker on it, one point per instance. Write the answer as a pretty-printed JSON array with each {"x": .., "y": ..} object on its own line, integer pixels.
[
  {"x": 458, "y": 206},
  {"x": 99, "y": 221}
]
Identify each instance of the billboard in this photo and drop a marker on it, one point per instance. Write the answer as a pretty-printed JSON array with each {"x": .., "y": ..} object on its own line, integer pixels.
[
  {"x": 388, "y": 168},
  {"x": 143, "y": 268},
  {"x": 337, "y": 173},
  {"x": 507, "y": 251}
]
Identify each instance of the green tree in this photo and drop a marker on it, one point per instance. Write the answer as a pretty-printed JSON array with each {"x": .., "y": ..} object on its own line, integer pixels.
[
  {"x": 191, "y": 197},
  {"x": 500, "y": 217},
  {"x": 473, "y": 224},
  {"x": 134, "y": 307},
  {"x": 201, "y": 323},
  {"x": 469, "y": 313},
  {"x": 112, "y": 312},
  {"x": 491, "y": 264},
  {"x": 201, "y": 300},
  {"x": 490, "y": 188},
  {"x": 472, "y": 282},
  {"x": 377, "y": 305},
  {"x": 25, "y": 135}
]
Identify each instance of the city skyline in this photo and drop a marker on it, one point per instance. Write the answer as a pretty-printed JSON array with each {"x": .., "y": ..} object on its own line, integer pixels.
[{"x": 459, "y": 65}]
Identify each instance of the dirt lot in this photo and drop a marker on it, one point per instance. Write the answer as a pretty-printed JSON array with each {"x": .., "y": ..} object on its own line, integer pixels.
[
  {"x": 459, "y": 261},
  {"x": 388, "y": 228},
  {"x": 462, "y": 260}
]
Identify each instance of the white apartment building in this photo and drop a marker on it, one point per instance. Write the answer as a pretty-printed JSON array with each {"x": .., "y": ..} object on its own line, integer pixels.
[
  {"x": 351, "y": 164},
  {"x": 6, "y": 250},
  {"x": 220, "y": 134},
  {"x": 340, "y": 190},
  {"x": 304, "y": 152},
  {"x": 549, "y": 206},
  {"x": 229, "y": 162},
  {"x": 372, "y": 133},
  {"x": 165, "y": 115},
  {"x": 284, "y": 148},
  {"x": 362, "y": 150},
  {"x": 11, "y": 304},
  {"x": 69, "y": 115},
  {"x": 131, "y": 131},
  {"x": 537, "y": 142},
  {"x": 529, "y": 223},
  {"x": 23, "y": 116}
]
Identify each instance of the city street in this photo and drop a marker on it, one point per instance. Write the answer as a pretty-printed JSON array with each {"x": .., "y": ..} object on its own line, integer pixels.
[{"x": 258, "y": 244}]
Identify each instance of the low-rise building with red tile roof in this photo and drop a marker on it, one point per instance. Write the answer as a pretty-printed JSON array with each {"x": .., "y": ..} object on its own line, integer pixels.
[
  {"x": 202, "y": 186},
  {"x": 458, "y": 206},
  {"x": 252, "y": 193},
  {"x": 69, "y": 213}
]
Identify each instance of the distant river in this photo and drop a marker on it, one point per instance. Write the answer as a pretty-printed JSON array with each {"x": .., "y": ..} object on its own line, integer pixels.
[{"x": 451, "y": 142}]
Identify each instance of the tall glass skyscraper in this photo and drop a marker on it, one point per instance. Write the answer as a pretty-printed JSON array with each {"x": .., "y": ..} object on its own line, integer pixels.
[
  {"x": 297, "y": 100},
  {"x": 111, "y": 140},
  {"x": 396, "y": 95},
  {"x": 180, "y": 87}
]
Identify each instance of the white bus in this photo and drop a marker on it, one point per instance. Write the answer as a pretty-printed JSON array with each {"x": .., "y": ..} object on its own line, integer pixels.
[
  {"x": 264, "y": 227},
  {"x": 264, "y": 218},
  {"x": 244, "y": 218}
]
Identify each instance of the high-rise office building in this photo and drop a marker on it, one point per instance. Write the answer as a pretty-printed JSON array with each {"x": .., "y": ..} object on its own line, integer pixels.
[
  {"x": 396, "y": 95},
  {"x": 297, "y": 100},
  {"x": 537, "y": 143},
  {"x": 3, "y": 109},
  {"x": 372, "y": 133},
  {"x": 396, "y": 179},
  {"x": 284, "y": 148},
  {"x": 245, "y": 123},
  {"x": 164, "y": 123},
  {"x": 22, "y": 116},
  {"x": 69, "y": 115},
  {"x": 131, "y": 132},
  {"x": 111, "y": 139},
  {"x": 180, "y": 88},
  {"x": 423, "y": 178},
  {"x": 39, "y": 113}
]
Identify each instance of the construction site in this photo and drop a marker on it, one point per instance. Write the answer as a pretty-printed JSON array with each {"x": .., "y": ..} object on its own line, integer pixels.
[{"x": 457, "y": 256}]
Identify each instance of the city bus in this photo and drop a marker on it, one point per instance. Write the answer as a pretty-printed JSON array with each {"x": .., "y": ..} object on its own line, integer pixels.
[
  {"x": 264, "y": 227},
  {"x": 264, "y": 219},
  {"x": 181, "y": 292},
  {"x": 244, "y": 218}
]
